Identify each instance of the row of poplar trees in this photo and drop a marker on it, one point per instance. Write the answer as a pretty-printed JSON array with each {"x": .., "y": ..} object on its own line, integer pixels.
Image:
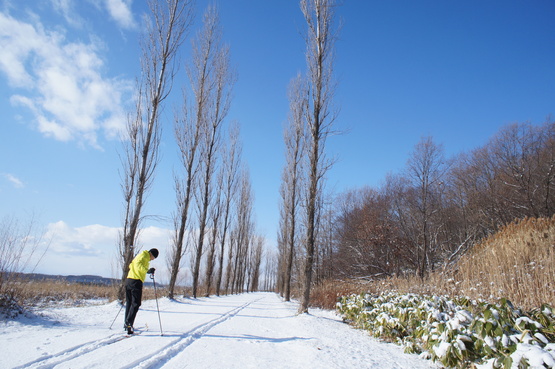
[
  {"x": 213, "y": 219},
  {"x": 311, "y": 118}
]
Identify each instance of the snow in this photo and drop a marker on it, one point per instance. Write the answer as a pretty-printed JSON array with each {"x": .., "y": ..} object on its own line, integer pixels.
[
  {"x": 536, "y": 357},
  {"x": 442, "y": 348},
  {"x": 254, "y": 330}
]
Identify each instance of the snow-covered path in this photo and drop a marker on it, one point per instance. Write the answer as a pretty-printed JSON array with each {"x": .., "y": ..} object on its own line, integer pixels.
[{"x": 255, "y": 330}]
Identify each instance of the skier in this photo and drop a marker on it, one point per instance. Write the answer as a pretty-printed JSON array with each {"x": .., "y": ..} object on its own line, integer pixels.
[{"x": 138, "y": 269}]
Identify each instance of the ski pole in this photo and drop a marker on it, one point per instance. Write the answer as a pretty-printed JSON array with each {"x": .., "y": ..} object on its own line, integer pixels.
[
  {"x": 116, "y": 316},
  {"x": 157, "y": 308}
]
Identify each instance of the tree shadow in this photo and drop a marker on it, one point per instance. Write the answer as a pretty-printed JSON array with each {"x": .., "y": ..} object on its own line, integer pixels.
[{"x": 249, "y": 337}]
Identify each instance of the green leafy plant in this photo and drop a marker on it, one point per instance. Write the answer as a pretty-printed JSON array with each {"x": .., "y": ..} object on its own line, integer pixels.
[{"x": 457, "y": 332}]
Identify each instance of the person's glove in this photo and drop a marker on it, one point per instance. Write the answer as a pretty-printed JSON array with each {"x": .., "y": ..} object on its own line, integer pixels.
[{"x": 151, "y": 271}]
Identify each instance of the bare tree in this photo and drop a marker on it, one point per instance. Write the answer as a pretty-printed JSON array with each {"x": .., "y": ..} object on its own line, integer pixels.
[
  {"x": 270, "y": 270},
  {"x": 281, "y": 245},
  {"x": 242, "y": 235},
  {"x": 20, "y": 251},
  {"x": 319, "y": 16},
  {"x": 216, "y": 210},
  {"x": 294, "y": 138},
  {"x": 163, "y": 37},
  {"x": 426, "y": 171},
  {"x": 324, "y": 259},
  {"x": 218, "y": 84},
  {"x": 230, "y": 167},
  {"x": 257, "y": 251},
  {"x": 188, "y": 131},
  {"x": 231, "y": 259},
  {"x": 525, "y": 168}
]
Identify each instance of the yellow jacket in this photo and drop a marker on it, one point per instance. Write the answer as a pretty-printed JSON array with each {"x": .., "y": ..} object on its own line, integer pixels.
[{"x": 139, "y": 266}]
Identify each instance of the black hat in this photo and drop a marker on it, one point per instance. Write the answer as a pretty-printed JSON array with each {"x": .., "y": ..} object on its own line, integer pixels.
[{"x": 154, "y": 252}]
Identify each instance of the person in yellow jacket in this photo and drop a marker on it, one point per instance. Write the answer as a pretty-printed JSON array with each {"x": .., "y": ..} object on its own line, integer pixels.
[{"x": 138, "y": 270}]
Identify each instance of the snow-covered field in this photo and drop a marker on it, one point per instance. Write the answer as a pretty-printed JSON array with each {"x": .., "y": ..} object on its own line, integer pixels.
[{"x": 255, "y": 330}]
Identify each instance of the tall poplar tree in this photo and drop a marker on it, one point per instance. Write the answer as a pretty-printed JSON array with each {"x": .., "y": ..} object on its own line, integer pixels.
[{"x": 320, "y": 41}]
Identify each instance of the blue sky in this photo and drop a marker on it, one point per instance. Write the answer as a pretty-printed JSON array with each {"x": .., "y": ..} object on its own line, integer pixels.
[{"x": 454, "y": 70}]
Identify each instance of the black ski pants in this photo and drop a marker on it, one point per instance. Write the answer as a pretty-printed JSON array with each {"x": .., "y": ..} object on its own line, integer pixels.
[{"x": 133, "y": 295}]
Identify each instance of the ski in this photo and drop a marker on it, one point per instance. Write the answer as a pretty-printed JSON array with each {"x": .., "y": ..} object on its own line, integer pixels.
[
  {"x": 136, "y": 332},
  {"x": 126, "y": 335}
]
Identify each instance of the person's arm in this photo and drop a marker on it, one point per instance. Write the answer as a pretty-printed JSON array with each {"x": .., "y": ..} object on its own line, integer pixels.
[{"x": 144, "y": 264}]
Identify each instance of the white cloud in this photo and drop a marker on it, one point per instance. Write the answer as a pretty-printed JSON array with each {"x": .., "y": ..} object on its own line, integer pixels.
[
  {"x": 83, "y": 242},
  {"x": 65, "y": 7},
  {"x": 17, "y": 41},
  {"x": 66, "y": 90},
  {"x": 16, "y": 182},
  {"x": 93, "y": 249},
  {"x": 120, "y": 11}
]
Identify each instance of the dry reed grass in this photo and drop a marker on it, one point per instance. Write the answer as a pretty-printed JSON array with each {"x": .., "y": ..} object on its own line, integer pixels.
[
  {"x": 47, "y": 293},
  {"x": 517, "y": 263},
  {"x": 42, "y": 293}
]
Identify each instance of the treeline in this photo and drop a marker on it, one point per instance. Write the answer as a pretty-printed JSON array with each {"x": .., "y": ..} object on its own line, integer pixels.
[{"x": 426, "y": 217}]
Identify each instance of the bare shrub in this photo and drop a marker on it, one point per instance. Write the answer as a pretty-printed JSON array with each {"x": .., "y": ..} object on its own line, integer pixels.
[
  {"x": 326, "y": 294},
  {"x": 20, "y": 251}
]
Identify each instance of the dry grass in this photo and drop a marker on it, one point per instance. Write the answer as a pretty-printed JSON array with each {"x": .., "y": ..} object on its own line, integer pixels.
[
  {"x": 326, "y": 294},
  {"x": 41, "y": 293},
  {"x": 517, "y": 263},
  {"x": 47, "y": 293}
]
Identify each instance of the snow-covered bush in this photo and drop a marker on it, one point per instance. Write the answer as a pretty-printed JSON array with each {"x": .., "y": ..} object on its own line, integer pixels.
[{"x": 457, "y": 332}]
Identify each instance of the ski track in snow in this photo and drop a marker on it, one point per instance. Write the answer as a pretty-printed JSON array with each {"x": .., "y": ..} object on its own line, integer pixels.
[
  {"x": 177, "y": 346},
  {"x": 150, "y": 361},
  {"x": 255, "y": 330},
  {"x": 50, "y": 361}
]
